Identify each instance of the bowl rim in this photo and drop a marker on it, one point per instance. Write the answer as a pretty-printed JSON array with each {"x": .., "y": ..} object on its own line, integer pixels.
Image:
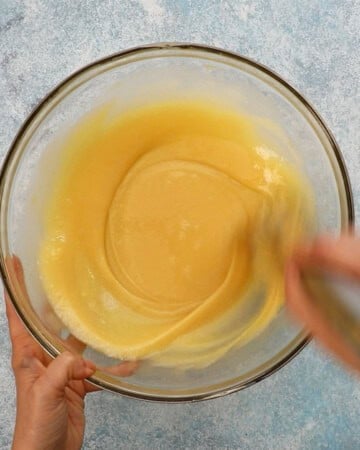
[{"x": 175, "y": 46}]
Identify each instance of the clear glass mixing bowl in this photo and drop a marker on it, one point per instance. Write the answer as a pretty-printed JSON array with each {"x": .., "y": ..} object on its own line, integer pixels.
[{"x": 135, "y": 77}]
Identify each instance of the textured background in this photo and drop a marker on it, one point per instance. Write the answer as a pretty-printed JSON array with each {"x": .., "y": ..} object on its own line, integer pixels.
[{"x": 311, "y": 403}]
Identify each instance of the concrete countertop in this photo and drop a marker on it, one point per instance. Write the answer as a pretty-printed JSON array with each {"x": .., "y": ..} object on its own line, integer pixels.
[{"x": 312, "y": 403}]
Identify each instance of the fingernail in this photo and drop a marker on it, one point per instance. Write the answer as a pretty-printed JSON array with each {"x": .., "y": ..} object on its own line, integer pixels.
[
  {"x": 131, "y": 366},
  {"x": 90, "y": 365},
  {"x": 89, "y": 371}
]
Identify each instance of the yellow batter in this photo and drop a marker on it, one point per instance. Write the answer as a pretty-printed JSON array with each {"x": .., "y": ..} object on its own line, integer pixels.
[{"x": 167, "y": 230}]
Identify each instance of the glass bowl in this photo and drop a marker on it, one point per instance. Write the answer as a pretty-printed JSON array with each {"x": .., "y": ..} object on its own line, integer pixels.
[{"x": 135, "y": 77}]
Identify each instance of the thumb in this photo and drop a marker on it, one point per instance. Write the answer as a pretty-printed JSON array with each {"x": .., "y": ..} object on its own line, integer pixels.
[
  {"x": 335, "y": 254},
  {"x": 63, "y": 369}
]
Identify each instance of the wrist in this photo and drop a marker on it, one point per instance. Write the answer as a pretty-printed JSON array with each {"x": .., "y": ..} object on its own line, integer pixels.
[
  {"x": 22, "y": 443},
  {"x": 26, "y": 440}
]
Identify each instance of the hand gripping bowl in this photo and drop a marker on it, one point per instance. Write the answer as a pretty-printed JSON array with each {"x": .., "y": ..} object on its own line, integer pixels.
[{"x": 134, "y": 77}]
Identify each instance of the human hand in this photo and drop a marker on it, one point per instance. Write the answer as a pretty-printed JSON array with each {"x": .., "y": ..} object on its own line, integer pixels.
[
  {"x": 50, "y": 393},
  {"x": 338, "y": 256}
]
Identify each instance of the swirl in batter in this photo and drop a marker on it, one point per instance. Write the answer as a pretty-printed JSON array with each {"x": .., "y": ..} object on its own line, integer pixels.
[{"x": 167, "y": 230}]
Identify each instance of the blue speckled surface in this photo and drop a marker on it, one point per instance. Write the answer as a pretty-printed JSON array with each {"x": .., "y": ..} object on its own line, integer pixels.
[{"x": 311, "y": 403}]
